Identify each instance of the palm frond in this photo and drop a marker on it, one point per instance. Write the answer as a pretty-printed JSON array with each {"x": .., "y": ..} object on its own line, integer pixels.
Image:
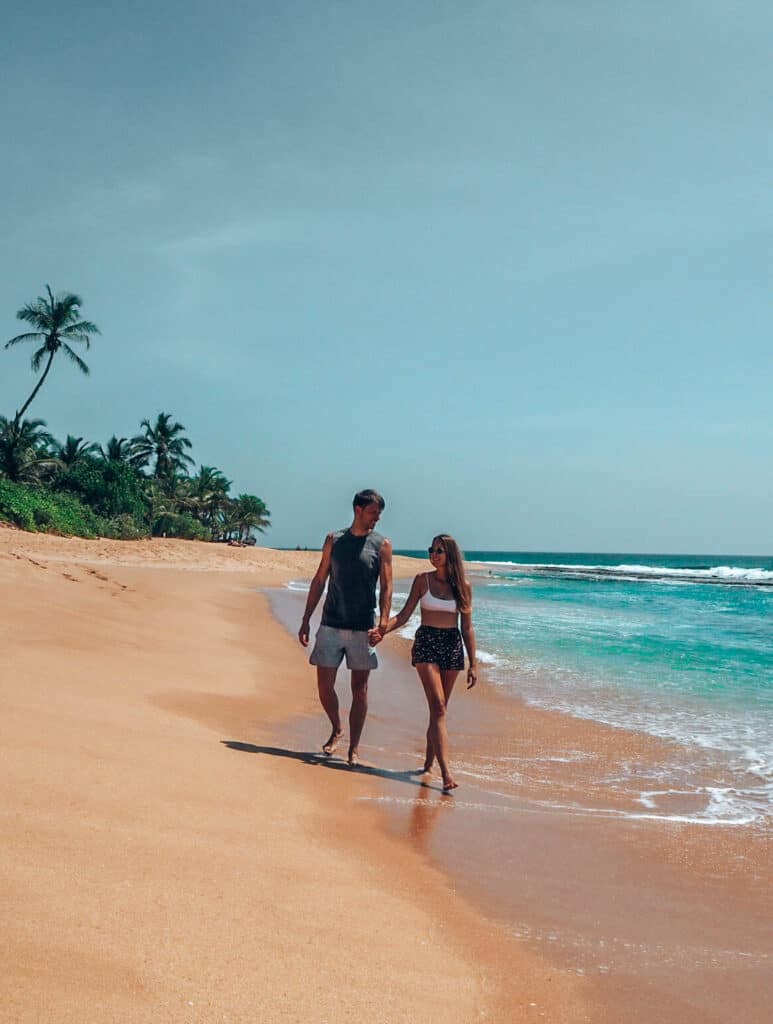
[
  {"x": 37, "y": 358},
  {"x": 76, "y": 359},
  {"x": 30, "y": 336},
  {"x": 35, "y": 313},
  {"x": 80, "y": 338},
  {"x": 81, "y": 327},
  {"x": 64, "y": 299}
]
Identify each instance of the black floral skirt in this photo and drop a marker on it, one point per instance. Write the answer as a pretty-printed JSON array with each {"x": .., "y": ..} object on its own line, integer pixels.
[{"x": 441, "y": 647}]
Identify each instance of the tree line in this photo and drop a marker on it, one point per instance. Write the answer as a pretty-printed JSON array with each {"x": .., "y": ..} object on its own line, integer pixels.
[{"x": 128, "y": 488}]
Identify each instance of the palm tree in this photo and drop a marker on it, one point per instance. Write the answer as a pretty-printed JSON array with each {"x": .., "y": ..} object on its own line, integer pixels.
[
  {"x": 74, "y": 450},
  {"x": 25, "y": 451},
  {"x": 249, "y": 513},
  {"x": 57, "y": 323},
  {"x": 165, "y": 443},
  {"x": 117, "y": 449},
  {"x": 161, "y": 507},
  {"x": 207, "y": 495}
]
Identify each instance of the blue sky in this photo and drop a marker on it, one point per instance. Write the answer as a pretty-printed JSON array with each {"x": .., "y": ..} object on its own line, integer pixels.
[{"x": 509, "y": 263}]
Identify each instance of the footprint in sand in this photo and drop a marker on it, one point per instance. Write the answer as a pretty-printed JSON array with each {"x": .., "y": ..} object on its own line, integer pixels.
[
  {"x": 99, "y": 576},
  {"x": 106, "y": 579},
  {"x": 26, "y": 558}
]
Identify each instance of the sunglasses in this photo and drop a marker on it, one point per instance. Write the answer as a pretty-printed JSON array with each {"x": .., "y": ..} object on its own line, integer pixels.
[{"x": 436, "y": 551}]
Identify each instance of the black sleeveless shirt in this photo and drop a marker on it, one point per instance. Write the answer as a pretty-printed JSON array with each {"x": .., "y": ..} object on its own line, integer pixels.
[{"x": 355, "y": 564}]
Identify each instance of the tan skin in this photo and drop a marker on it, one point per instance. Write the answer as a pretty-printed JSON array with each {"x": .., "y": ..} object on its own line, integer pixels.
[
  {"x": 365, "y": 519},
  {"x": 438, "y": 683}
]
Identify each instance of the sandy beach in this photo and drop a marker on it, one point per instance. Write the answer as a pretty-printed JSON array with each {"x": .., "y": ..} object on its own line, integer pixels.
[
  {"x": 153, "y": 871},
  {"x": 175, "y": 847}
]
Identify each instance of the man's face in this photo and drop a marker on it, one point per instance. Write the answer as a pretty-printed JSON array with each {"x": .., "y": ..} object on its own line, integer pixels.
[{"x": 368, "y": 515}]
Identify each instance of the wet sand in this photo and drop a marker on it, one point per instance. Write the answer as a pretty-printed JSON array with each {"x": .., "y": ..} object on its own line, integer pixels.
[{"x": 163, "y": 858}]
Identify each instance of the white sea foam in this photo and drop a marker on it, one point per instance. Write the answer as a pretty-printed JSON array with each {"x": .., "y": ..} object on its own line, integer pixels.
[
  {"x": 714, "y": 574},
  {"x": 748, "y": 801},
  {"x": 621, "y": 952}
]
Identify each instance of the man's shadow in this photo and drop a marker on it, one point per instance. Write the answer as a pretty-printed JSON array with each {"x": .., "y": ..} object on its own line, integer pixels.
[{"x": 333, "y": 763}]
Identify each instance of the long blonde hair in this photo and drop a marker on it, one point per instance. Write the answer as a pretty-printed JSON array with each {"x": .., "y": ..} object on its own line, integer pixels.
[{"x": 455, "y": 568}]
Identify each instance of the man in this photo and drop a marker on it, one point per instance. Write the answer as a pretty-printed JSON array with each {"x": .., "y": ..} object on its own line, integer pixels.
[{"x": 353, "y": 561}]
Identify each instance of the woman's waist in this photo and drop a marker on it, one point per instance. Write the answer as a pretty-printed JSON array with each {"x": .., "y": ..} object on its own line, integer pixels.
[{"x": 439, "y": 621}]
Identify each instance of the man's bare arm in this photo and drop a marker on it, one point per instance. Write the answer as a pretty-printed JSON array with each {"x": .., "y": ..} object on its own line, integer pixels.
[{"x": 316, "y": 590}]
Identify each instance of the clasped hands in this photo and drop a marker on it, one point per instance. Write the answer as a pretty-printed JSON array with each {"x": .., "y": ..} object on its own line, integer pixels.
[{"x": 376, "y": 635}]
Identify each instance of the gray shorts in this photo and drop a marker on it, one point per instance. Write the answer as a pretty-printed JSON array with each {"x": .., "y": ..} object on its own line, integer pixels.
[{"x": 332, "y": 644}]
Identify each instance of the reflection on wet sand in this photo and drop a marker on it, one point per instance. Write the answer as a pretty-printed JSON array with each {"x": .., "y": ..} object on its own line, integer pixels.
[{"x": 424, "y": 811}]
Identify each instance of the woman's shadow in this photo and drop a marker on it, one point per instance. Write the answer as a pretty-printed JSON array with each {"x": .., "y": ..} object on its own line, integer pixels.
[{"x": 332, "y": 763}]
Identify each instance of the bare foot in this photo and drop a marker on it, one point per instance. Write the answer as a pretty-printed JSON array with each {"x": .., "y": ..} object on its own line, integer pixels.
[
  {"x": 354, "y": 758},
  {"x": 427, "y": 767},
  {"x": 332, "y": 744},
  {"x": 449, "y": 784}
]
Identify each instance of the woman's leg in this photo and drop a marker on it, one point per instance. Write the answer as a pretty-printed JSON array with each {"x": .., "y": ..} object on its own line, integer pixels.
[
  {"x": 429, "y": 757},
  {"x": 436, "y": 699},
  {"x": 447, "y": 679}
]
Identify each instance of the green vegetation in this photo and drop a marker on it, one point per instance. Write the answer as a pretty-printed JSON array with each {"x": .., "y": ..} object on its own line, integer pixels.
[
  {"x": 40, "y": 510},
  {"x": 128, "y": 488}
]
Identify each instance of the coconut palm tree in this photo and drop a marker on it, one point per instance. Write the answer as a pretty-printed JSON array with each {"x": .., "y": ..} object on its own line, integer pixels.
[
  {"x": 57, "y": 322},
  {"x": 75, "y": 449},
  {"x": 25, "y": 451},
  {"x": 117, "y": 449},
  {"x": 249, "y": 513},
  {"x": 207, "y": 495},
  {"x": 164, "y": 444},
  {"x": 161, "y": 507}
]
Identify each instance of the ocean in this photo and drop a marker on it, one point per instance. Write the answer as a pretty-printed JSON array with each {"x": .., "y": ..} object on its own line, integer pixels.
[{"x": 676, "y": 646}]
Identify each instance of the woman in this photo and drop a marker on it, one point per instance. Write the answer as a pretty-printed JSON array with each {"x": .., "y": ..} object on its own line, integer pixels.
[{"x": 443, "y": 596}]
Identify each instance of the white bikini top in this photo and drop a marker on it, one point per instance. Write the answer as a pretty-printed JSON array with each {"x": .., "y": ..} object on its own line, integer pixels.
[{"x": 430, "y": 603}]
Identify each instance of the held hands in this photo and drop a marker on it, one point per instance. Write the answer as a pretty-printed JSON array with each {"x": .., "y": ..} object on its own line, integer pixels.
[
  {"x": 376, "y": 635},
  {"x": 472, "y": 676}
]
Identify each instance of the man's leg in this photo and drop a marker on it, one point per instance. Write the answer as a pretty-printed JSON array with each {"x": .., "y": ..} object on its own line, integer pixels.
[
  {"x": 328, "y": 698},
  {"x": 358, "y": 712}
]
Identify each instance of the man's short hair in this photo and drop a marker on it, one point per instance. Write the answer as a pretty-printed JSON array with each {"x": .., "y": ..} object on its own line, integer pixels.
[{"x": 363, "y": 498}]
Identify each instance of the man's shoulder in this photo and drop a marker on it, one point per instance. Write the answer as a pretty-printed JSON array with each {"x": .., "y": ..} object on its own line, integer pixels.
[{"x": 383, "y": 544}]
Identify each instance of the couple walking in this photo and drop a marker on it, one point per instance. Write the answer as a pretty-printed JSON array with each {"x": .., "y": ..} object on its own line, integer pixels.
[{"x": 353, "y": 562}]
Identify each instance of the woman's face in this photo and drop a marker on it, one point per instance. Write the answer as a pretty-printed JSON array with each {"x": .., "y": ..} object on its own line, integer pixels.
[{"x": 437, "y": 553}]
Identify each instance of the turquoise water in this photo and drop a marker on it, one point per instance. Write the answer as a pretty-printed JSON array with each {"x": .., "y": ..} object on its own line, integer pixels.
[{"x": 675, "y": 646}]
